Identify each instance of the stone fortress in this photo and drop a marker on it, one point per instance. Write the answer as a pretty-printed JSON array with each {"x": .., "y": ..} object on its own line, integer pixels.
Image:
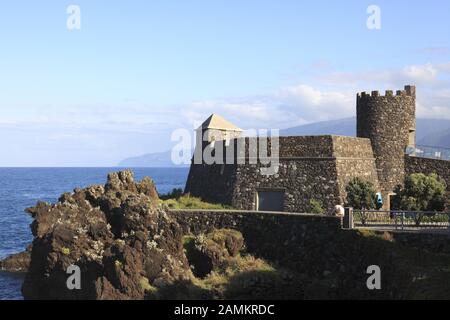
[{"x": 315, "y": 167}]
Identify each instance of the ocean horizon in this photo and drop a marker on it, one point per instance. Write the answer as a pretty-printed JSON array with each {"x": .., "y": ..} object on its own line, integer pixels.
[{"x": 23, "y": 187}]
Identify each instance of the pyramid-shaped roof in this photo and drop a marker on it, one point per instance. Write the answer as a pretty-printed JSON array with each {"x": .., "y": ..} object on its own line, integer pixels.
[{"x": 217, "y": 122}]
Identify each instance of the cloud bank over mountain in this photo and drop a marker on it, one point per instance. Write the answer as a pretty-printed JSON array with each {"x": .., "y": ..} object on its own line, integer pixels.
[
  {"x": 430, "y": 132},
  {"x": 102, "y": 135},
  {"x": 331, "y": 95}
]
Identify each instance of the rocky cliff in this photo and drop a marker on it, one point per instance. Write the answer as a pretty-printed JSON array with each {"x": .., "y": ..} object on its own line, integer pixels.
[{"x": 117, "y": 234}]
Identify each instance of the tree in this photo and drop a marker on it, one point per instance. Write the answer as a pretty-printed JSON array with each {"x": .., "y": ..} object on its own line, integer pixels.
[
  {"x": 421, "y": 193},
  {"x": 361, "y": 194}
]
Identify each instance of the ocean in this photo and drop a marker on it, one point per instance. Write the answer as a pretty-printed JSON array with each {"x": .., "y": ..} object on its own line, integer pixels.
[{"x": 21, "y": 188}]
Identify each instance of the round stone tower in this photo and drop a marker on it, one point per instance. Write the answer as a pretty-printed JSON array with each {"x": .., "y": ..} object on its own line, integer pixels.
[{"x": 389, "y": 122}]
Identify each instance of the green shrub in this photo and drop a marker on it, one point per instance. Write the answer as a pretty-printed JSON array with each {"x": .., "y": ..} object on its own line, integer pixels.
[
  {"x": 421, "y": 193},
  {"x": 176, "y": 193},
  {"x": 361, "y": 194},
  {"x": 315, "y": 206}
]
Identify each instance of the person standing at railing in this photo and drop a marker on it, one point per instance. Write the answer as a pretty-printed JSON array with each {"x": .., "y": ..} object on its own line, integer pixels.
[
  {"x": 379, "y": 201},
  {"x": 339, "y": 210}
]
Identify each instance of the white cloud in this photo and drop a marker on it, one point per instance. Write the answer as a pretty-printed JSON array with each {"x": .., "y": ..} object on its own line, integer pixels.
[
  {"x": 432, "y": 81},
  {"x": 250, "y": 112},
  {"x": 313, "y": 104},
  {"x": 420, "y": 75},
  {"x": 332, "y": 97},
  {"x": 284, "y": 108}
]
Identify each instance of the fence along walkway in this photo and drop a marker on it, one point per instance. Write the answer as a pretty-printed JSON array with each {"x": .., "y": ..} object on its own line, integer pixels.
[
  {"x": 429, "y": 152},
  {"x": 397, "y": 220}
]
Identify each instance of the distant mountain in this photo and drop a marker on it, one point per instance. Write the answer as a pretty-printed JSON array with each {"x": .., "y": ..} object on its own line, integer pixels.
[
  {"x": 160, "y": 159},
  {"x": 430, "y": 132},
  {"x": 342, "y": 127},
  {"x": 433, "y": 132}
]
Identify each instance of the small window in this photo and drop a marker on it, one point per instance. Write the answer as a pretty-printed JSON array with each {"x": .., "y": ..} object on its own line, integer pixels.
[
  {"x": 412, "y": 138},
  {"x": 270, "y": 200}
]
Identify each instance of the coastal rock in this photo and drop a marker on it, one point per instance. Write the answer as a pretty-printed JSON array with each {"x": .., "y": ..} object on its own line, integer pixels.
[
  {"x": 118, "y": 235},
  {"x": 17, "y": 262}
]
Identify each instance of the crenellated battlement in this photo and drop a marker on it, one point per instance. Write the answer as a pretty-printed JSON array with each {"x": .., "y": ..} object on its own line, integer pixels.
[{"x": 409, "y": 91}]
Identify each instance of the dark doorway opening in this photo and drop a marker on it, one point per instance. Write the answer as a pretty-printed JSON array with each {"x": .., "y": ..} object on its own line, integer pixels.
[{"x": 270, "y": 200}]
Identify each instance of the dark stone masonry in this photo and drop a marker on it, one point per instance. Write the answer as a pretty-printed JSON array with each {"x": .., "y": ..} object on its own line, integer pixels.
[
  {"x": 389, "y": 122},
  {"x": 313, "y": 167},
  {"x": 427, "y": 166},
  {"x": 280, "y": 237},
  {"x": 311, "y": 243}
]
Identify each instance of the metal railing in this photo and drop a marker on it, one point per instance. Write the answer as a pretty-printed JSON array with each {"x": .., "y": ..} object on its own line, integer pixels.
[
  {"x": 429, "y": 152},
  {"x": 400, "y": 220}
]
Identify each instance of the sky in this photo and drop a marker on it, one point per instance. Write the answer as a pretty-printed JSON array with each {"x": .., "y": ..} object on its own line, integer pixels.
[{"x": 135, "y": 71}]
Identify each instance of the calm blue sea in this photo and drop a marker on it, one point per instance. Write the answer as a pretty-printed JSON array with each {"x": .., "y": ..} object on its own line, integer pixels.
[{"x": 23, "y": 187}]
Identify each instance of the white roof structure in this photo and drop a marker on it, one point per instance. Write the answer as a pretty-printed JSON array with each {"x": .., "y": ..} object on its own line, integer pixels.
[{"x": 217, "y": 122}]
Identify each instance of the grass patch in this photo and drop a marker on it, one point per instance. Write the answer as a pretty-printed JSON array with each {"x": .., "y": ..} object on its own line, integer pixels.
[
  {"x": 231, "y": 273},
  {"x": 188, "y": 202}
]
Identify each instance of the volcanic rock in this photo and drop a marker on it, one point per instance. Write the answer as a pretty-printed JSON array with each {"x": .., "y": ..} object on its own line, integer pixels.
[
  {"x": 17, "y": 262},
  {"x": 118, "y": 235}
]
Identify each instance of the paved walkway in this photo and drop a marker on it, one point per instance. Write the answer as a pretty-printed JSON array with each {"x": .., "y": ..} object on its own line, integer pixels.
[{"x": 443, "y": 230}]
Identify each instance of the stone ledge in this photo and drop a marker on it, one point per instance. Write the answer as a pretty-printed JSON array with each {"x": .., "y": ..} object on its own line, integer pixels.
[
  {"x": 425, "y": 159},
  {"x": 252, "y": 212}
]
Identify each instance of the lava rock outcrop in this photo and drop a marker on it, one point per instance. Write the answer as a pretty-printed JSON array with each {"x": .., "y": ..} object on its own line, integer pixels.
[
  {"x": 118, "y": 235},
  {"x": 18, "y": 262}
]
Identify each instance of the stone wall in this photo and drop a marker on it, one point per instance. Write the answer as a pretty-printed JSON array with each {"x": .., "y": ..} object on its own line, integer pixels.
[
  {"x": 289, "y": 147},
  {"x": 354, "y": 158},
  {"x": 213, "y": 183},
  {"x": 427, "y": 166},
  {"x": 277, "y": 237},
  {"x": 386, "y": 121},
  {"x": 310, "y": 167},
  {"x": 347, "y": 169},
  {"x": 268, "y": 233},
  {"x": 333, "y": 161},
  {"x": 351, "y": 147},
  {"x": 307, "y": 171},
  {"x": 301, "y": 180},
  {"x": 306, "y": 147},
  {"x": 317, "y": 247}
]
